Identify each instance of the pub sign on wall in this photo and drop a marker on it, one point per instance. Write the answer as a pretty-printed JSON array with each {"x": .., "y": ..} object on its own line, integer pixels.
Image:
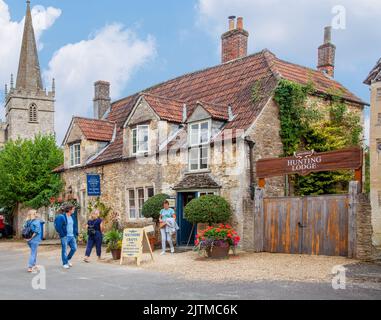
[{"x": 93, "y": 185}]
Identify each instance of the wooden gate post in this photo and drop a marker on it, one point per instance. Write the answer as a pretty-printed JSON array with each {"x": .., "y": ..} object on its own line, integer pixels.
[
  {"x": 354, "y": 189},
  {"x": 258, "y": 220}
]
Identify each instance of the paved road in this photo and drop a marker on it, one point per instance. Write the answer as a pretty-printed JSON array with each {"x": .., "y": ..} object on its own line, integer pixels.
[{"x": 105, "y": 281}]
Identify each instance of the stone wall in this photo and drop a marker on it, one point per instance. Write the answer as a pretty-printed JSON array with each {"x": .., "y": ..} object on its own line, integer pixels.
[
  {"x": 375, "y": 161},
  {"x": 364, "y": 247},
  {"x": 265, "y": 133}
]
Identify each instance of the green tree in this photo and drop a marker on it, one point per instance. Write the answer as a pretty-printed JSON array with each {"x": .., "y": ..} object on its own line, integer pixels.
[{"x": 26, "y": 172}]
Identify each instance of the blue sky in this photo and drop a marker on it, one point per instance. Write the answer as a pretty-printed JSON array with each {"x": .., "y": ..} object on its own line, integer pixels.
[{"x": 135, "y": 44}]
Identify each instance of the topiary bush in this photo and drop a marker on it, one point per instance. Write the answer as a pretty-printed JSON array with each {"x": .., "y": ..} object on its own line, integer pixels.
[
  {"x": 208, "y": 209},
  {"x": 152, "y": 207}
]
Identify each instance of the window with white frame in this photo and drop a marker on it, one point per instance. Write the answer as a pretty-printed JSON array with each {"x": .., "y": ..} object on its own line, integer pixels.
[
  {"x": 136, "y": 199},
  {"x": 199, "y": 139},
  {"x": 131, "y": 204},
  {"x": 378, "y": 96},
  {"x": 141, "y": 201},
  {"x": 206, "y": 193},
  {"x": 140, "y": 139},
  {"x": 75, "y": 154}
]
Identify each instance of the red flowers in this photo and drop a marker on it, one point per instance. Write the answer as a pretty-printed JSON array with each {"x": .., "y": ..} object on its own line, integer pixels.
[{"x": 222, "y": 233}]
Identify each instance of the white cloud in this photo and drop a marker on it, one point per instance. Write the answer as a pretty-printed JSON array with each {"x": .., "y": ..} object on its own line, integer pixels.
[
  {"x": 293, "y": 30},
  {"x": 291, "y": 25},
  {"x": 11, "y": 35},
  {"x": 113, "y": 54}
]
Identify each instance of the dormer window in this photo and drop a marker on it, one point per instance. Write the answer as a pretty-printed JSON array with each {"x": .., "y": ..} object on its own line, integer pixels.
[
  {"x": 140, "y": 136},
  {"x": 33, "y": 113},
  {"x": 75, "y": 154},
  {"x": 199, "y": 139}
]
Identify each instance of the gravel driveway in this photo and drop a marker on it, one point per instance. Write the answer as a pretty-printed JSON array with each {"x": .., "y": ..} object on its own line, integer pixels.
[
  {"x": 245, "y": 267},
  {"x": 242, "y": 267}
]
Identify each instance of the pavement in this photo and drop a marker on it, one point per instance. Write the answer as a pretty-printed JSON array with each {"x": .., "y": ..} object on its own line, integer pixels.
[{"x": 102, "y": 281}]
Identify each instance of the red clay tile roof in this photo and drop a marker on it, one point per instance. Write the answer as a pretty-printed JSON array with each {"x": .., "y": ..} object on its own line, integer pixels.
[
  {"x": 167, "y": 109},
  {"x": 375, "y": 74},
  {"x": 218, "y": 112},
  {"x": 59, "y": 169},
  {"x": 223, "y": 85},
  {"x": 94, "y": 129}
]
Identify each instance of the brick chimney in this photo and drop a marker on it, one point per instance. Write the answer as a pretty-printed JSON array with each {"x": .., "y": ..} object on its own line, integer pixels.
[
  {"x": 102, "y": 100},
  {"x": 234, "y": 41},
  {"x": 327, "y": 52}
]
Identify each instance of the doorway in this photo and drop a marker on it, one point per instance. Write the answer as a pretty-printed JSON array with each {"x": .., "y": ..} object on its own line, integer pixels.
[{"x": 187, "y": 233}]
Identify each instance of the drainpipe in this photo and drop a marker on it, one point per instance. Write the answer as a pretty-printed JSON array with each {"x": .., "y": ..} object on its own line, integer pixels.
[{"x": 251, "y": 145}]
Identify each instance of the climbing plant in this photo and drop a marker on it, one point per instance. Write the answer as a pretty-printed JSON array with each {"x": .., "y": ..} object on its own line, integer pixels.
[{"x": 309, "y": 127}]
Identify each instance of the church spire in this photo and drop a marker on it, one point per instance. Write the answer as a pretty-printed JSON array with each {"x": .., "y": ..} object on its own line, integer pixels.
[{"x": 29, "y": 74}]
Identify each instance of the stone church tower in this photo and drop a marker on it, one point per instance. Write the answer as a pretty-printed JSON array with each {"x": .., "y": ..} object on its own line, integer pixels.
[{"x": 29, "y": 109}]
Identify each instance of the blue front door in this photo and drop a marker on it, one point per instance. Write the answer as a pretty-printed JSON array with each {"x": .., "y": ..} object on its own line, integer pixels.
[{"x": 187, "y": 233}]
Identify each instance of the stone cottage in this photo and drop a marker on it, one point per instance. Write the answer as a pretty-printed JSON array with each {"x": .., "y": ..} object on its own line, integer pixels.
[{"x": 197, "y": 134}]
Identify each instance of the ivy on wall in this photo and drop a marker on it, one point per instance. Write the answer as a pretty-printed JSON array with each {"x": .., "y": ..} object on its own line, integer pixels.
[{"x": 316, "y": 128}]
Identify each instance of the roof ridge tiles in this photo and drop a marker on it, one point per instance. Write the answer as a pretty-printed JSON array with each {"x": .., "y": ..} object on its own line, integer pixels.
[
  {"x": 93, "y": 119},
  {"x": 189, "y": 74}
]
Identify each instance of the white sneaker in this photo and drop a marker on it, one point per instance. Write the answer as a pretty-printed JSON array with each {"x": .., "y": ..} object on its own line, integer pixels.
[
  {"x": 66, "y": 266},
  {"x": 173, "y": 250},
  {"x": 70, "y": 264},
  {"x": 162, "y": 253}
]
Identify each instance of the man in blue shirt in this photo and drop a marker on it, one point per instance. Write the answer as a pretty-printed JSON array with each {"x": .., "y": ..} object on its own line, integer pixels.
[{"x": 67, "y": 228}]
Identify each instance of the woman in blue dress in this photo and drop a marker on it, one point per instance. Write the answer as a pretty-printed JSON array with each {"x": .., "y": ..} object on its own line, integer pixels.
[{"x": 95, "y": 230}]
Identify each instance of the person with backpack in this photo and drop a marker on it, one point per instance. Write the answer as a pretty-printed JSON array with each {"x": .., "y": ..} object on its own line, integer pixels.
[
  {"x": 95, "y": 230},
  {"x": 32, "y": 234},
  {"x": 67, "y": 228}
]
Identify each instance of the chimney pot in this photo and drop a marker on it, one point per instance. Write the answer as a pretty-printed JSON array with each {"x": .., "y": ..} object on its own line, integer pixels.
[
  {"x": 240, "y": 23},
  {"x": 231, "y": 22},
  {"x": 327, "y": 34}
]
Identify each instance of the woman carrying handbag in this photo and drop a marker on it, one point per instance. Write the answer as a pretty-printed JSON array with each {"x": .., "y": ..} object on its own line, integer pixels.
[{"x": 165, "y": 214}]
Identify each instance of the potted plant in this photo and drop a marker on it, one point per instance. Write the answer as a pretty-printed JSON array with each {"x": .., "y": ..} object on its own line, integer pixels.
[
  {"x": 209, "y": 209},
  {"x": 216, "y": 242},
  {"x": 113, "y": 239},
  {"x": 151, "y": 209}
]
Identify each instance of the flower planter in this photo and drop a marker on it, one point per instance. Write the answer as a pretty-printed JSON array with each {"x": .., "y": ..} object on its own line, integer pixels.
[
  {"x": 116, "y": 253},
  {"x": 217, "y": 252}
]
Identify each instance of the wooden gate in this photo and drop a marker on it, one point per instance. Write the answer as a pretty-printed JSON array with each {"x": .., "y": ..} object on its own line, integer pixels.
[
  {"x": 310, "y": 225},
  {"x": 315, "y": 225}
]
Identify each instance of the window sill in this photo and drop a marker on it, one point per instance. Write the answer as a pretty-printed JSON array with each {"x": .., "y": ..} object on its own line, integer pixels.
[
  {"x": 197, "y": 171},
  {"x": 76, "y": 166}
]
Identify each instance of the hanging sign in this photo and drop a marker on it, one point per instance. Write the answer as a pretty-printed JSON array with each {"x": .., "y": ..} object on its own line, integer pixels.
[
  {"x": 304, "y": 163},
  {"x": 135, "y": 244},
  {"x": 93, "y": 185}
]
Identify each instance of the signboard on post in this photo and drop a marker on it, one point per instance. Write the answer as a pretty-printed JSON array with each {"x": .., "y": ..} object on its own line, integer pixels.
[
  {"x": 135, "y": 243},
  {"x": 304, "y": 163},
  {"x": 93, "y": 185}
]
